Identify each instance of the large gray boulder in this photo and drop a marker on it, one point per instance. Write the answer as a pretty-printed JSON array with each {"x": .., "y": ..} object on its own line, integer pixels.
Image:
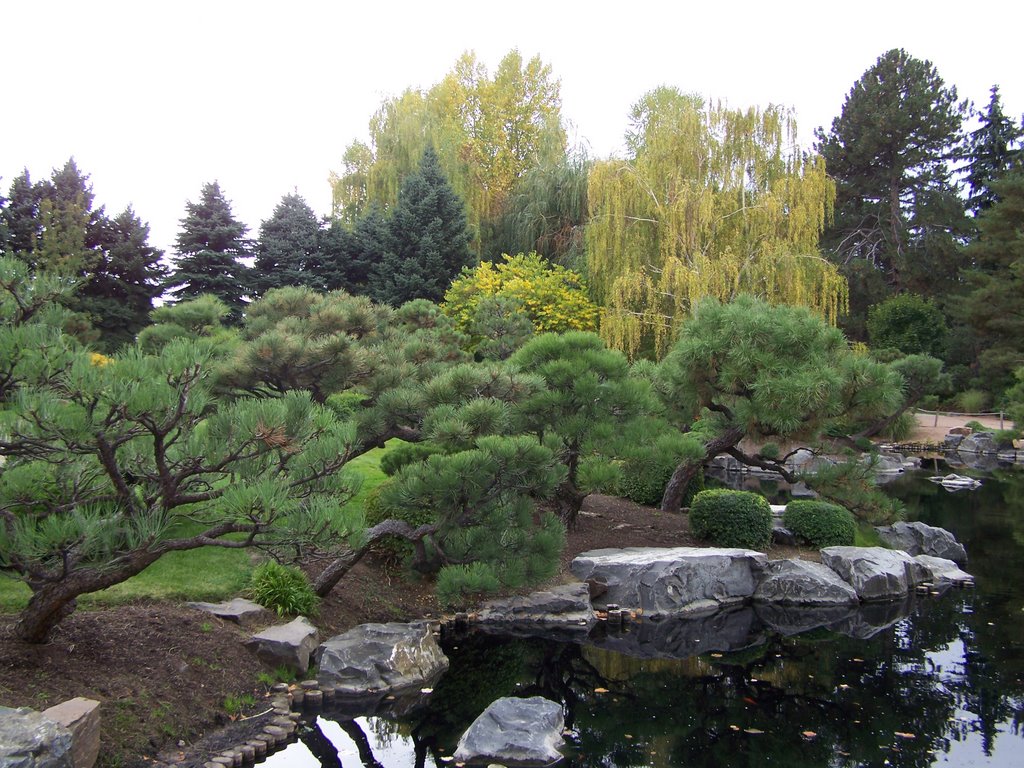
[
  {"x": 921, "y": 539},
  {"x": 672, "y": 581},
  {"x": 944, "y": 572},
  {"x": 30, "y": 740},
  {"x": 81, "y": 717},
  {"x": 979, "y": 442},
  {"x": 799, "y": 582},
  {"x": 566, "y": 606},
  {"x": 286, "y": 645},
  {"x": 875, "y": 573},
  {"x": 380, "y": 657},
  {"x": 514, "y": 731}
]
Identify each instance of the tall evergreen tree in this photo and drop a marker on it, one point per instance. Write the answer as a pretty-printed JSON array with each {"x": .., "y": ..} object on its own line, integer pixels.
[
  {"x": 210, "y": 247},
  {"x": 889, "y": 152},
  {"x": 995, "y": 307},
  {"x": 350, "y": 256},
  {"x": 128, "y": 275},
  {"x": 288, "y": 251},
  {"x": 427, "y": 239},
  {"x": 992, "y": 148}
]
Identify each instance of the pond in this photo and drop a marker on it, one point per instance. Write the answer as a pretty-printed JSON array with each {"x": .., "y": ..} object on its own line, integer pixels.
[{"x": 934, "y": 681}]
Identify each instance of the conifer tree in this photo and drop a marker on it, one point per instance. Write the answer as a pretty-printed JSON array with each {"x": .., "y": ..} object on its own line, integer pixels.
[
  {"x": 897, "y": 207},
  {"x": 992, "y": 149},
  {"x": 288, "y": 251},
  {"x": 427, "y": 239},
  {"x": 209, "y": 250}
]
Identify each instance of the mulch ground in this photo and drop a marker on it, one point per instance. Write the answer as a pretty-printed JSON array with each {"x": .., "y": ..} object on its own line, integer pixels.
[{"x": 163, "y": 671}]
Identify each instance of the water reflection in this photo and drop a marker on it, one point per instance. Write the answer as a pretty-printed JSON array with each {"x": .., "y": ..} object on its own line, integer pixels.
[{"x": 921, "y": 683}]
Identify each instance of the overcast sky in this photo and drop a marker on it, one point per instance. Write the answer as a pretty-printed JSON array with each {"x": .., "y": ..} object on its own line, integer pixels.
[{"x": 155, "y": 98}]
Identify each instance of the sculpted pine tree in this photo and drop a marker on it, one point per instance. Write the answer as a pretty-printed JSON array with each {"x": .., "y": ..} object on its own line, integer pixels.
[
  {"x": 772, "y": 373},
  {"x": 710, "y": 202},
  {"x": 209, "y": 249}
]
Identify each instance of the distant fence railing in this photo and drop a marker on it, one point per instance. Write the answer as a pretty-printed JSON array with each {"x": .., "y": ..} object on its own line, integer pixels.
[{"x": 1000, "y": 414}]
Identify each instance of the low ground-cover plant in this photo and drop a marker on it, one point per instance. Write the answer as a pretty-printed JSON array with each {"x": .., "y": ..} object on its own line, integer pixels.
[
  {"x": 732, "y": 518},
  {"x": 820, "y": 523},
  {"x": 284, "y": 590}
]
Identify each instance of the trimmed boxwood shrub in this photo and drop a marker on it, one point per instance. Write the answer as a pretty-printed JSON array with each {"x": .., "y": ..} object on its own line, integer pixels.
[
  {"x": 732, "y": 518},
  {"x": 820, "y": 523}
]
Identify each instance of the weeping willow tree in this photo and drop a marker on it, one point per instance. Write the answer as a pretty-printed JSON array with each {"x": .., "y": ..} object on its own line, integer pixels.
[
  {"x": 710, "y": 201},
  {"x": 487, "y": 131}
]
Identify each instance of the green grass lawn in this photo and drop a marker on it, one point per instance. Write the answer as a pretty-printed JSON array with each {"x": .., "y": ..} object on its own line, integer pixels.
[{"x": 209, "y": 573}]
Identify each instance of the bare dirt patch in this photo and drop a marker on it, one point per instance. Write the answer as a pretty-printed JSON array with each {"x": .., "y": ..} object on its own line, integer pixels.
[{"x": 162, "y": 671}]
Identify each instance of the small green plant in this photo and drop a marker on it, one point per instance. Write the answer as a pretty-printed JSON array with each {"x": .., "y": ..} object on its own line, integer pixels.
[
  {"x": 206, "y": 626},
  {"x": 820, "y": 523},
  {"x": 976, "y": 425},
  {"x": 902, "y": 428},
  {"x": 732, "y": 518},
  {"x": 236, "y": 705},
  {"x": 277, "y": 675},
  {"x": 284, "y": 590}
]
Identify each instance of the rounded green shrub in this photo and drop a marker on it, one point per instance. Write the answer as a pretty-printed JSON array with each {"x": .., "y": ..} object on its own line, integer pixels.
[
  {"x": 820, "y": 523},
  {"x": 404, "y": 454},
  {"x": 284, "y": 590},
  {"x": 732, "y": 518}
]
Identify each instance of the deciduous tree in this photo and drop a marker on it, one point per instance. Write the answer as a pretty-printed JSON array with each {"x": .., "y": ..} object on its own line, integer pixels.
[{"x": 711, "y": 201}]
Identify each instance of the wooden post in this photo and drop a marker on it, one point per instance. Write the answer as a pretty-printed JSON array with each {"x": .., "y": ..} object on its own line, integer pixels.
[
  {"x": 936, "y": 419},
  {"x": 1001, "y": 427}
]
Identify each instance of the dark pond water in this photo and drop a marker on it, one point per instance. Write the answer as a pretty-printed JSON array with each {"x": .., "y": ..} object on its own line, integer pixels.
[{"x": 935, "y": 681}]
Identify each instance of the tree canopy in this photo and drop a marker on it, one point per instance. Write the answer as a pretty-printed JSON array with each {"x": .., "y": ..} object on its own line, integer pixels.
[{"x": 711, "y": 201}]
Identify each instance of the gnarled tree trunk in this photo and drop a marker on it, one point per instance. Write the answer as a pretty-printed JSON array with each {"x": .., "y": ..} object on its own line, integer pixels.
[
  {"x": 342, "y": 564},
  {"x": 673, "y": 496}
]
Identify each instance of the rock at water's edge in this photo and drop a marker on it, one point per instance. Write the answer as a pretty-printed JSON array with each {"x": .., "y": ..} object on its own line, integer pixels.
[
  {"x": 799, "y": 582},
  {"x": 517, "y": 731},
  {"x": 672, "y": 581},
  {"x": 289, "y": 645},
  {"x": 875, "y": 573},
  {"x": 381, "y": 657},
  {"x": 920, "y": 539},
  {"x": 564, "y": 606}
]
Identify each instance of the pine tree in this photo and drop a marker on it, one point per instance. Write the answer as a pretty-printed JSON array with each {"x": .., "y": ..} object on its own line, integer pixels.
[
  {"x": 127, "y": 276},
  {"x": 289, "y": 249},
  {"x": 20, "y": 216},
  {"x": 427, "y": 239},
  {"x": 896, "y": 204},
  {"x": 210, "y": 247},
  {"x": 991, "y": 151}
]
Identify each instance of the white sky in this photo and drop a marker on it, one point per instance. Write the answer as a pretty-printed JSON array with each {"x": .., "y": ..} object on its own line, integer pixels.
[{"x": 155, "y": 98}]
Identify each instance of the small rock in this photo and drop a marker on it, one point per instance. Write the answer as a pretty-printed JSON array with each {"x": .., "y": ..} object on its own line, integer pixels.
[
  {"x": 519, "y": 731},
  {"x": 289, "y": 645}
]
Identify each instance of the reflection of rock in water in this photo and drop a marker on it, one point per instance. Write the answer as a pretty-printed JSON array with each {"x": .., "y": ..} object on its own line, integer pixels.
[
  {"x": 393, "y": 704},
  {"x": 871, "y": 618},
  {"x": 795, "y": 619},
  {"x": 729, "y": 630},
  {"x": 740, "y": 628}
]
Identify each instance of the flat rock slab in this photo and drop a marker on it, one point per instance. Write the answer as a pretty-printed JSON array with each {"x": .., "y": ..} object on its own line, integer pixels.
[
  {"x": 381, "y": 657},
  {"x": 672, "y": 581},
  {"x": 239, "y": 611},
  {"x": 799, "y": 582},
  {"x": 943, "y": 571},
  {"x": 30, "y": 740},
  {"x": 82, "y": 717},
  {"x": 286, "y": 645},
  {"x": 875, "y": 573},
  {"x": 564, "y": 606},
  {"x": 515, "y": 732},
  {"x": 921, "y": 539}
]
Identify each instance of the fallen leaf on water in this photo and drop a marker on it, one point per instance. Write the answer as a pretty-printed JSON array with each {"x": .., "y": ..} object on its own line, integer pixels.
[
  {"x": 600, "y": 690},
  {"x": 753, "y": 731},
  {"x": 734, "y": 727},
  {"x": 843, "y": 686},
  {"x": 903, "y": 735},
  {"x": 859, "y": 661},
  {"x": 716, "y": 655},
  {"x": 749, "y": 700},
  {"x": 808, "y": 734},
  {"x": 628, "y": 735},
  {"x": 426, "y": 690}
]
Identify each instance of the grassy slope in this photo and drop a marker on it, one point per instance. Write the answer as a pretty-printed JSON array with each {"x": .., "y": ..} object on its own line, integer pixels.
[{"x": 208, "y": 573}]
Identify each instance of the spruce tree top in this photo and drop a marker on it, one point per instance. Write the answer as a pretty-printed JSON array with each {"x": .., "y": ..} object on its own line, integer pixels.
[{"x": 209, "y": 225}]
